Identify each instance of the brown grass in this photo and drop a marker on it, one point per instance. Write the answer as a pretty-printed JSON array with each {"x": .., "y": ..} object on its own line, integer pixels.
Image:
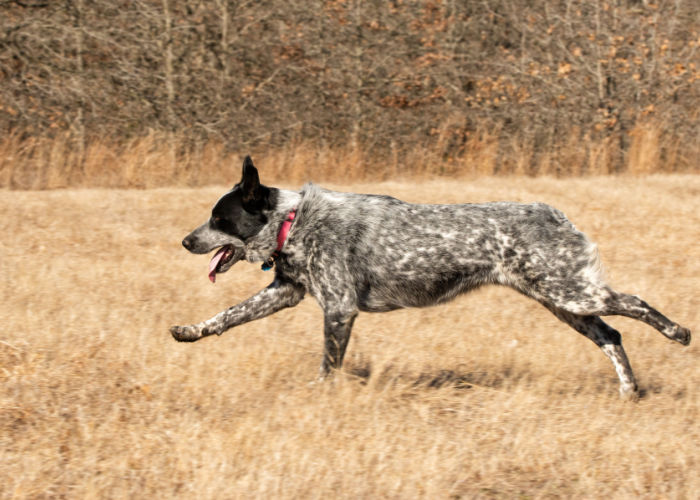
[
  {"x": 161, "y": 160},
  {"x": 489, "y": 396}
]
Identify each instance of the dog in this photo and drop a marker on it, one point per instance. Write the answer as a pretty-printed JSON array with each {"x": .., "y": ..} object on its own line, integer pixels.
[{"x": 356, "y": 252}]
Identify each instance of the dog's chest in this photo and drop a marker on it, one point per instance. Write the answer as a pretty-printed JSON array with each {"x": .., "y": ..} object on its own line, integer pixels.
[{"x": 292, "y": 267}]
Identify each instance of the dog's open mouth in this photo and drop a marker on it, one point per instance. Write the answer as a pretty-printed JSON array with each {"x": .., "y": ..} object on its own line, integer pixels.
[{"x": 218, "y": 262}]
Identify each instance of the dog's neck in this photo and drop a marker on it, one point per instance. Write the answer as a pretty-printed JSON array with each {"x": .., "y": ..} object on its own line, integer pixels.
[
  {"x": 286, "y": 200},
  {"x": 265, "y": 243}
]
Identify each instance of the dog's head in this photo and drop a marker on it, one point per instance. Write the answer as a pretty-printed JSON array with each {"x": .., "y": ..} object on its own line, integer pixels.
[{"x": 236, "y": 217}]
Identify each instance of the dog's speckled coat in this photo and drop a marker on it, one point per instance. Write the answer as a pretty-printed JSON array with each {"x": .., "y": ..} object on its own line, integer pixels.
[{"x": 355, "y": 252}]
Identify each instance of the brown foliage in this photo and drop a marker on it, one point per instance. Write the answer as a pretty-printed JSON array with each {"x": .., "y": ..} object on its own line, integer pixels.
[{"x": 380, "y": 77}]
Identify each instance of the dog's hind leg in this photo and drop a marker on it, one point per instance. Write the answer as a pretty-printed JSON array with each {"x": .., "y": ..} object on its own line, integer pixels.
[
  {"x": 584, "y": 297},
  {"x": 633, "y": 307},
  {"x": 276, "y": 296},
  {"x": 610, "y": 342},
  {"x": 601, "y": 300}
]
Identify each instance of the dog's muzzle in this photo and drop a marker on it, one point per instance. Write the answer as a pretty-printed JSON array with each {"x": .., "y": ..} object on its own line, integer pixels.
[{"x": 204, "y": 239}]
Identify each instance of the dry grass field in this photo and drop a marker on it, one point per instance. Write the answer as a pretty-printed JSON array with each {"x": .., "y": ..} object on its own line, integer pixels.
[{"x": 486, "y": 397}]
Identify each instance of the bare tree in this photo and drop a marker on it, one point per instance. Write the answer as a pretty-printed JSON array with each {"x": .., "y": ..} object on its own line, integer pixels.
[{"x": 382, "y": 76}]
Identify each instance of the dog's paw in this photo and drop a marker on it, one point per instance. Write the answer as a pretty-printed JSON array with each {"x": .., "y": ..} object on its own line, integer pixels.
[
  {"x": 188, "y": 333},
  {"x": 630, "y": 393},
  {"x": 682, "y": 335}
]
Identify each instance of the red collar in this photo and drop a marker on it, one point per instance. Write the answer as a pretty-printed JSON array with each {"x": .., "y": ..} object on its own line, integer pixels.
[
  {"x": 284, "y": 230},
  {"x": 281, "y": 239}
]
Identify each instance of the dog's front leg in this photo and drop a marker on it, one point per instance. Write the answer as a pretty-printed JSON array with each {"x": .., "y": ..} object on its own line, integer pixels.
[
  {"x": 276, "y": 296},
  {"x": 337, "y": 327}
]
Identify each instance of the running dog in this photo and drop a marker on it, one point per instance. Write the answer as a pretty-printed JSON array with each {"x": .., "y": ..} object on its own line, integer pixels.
[{"x": 357, "y": 252}]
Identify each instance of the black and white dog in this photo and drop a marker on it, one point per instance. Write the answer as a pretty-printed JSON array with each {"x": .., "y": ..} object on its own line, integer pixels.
[{"x": 355, "y": 252}]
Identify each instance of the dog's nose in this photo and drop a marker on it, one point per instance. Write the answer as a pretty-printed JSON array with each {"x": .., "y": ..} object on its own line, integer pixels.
[{"x": 187, "y": 243}]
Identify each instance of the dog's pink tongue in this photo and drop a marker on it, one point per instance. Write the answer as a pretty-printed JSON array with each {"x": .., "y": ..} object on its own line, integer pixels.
[{"x": 215, "y": 262}]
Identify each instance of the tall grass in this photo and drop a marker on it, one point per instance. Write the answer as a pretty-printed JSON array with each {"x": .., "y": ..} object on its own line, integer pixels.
[{"x": 159, "y": 159}]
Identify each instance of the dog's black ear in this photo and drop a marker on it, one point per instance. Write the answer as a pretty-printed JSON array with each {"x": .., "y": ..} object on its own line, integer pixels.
[{"x": 250, "y": 182}]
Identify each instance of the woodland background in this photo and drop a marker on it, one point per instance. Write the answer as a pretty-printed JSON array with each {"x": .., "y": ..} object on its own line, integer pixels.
[{"x": 158, "y": 92}]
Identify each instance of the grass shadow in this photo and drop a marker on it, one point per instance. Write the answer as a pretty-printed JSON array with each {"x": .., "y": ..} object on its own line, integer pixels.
[{"x": 455, "y": 378}]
